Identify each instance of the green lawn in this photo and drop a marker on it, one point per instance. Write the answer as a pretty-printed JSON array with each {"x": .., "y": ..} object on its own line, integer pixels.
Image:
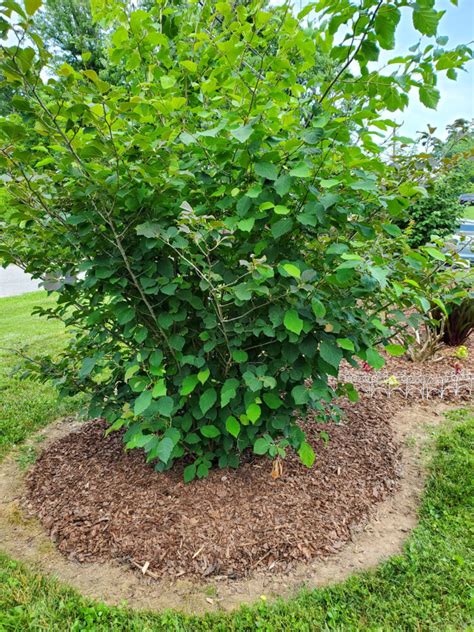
[
  {"x": 426, "y": 588},
  {"x": 469, "y": 212}
]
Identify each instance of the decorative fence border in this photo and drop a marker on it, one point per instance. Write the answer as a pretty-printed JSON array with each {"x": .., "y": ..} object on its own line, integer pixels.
[{"x": 418, "y": 385}]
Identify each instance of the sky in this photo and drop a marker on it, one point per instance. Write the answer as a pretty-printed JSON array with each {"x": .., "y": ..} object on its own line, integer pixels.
[{"x": 457, "y": 97}]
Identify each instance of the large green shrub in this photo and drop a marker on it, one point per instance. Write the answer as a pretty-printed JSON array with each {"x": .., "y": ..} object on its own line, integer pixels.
[
  {"x": 218, "y": 222},
  {"x": 439, "y": 213}
]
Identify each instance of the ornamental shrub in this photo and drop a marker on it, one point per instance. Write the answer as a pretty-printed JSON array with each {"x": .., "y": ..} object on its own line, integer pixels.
[{"x": 217, "y": 221}]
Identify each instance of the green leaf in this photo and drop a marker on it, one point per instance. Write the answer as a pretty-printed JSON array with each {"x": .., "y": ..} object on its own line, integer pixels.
[
  {"x": 189, "y": 65},
  {"x": 301, "y": 171},
  {"x": 32, "y": 6},
  {"x": 429, "y": 96},
  {"x": 253, "y": 412},
  {"x": 240, "y": 356},
  {"x": 306, "y": 454},
  {"x": 159, "y": 390},
  {"x": 425, "y": 18},
  {"x": 283, "y": 185},
  {"x": 165, "y": 406},
  {"x": 435, "y": 253},
  {"x": 207, "y": 400},
  {"x": 395, "y": 350},
  {"x": 318, "y": 308},
  {"x": 345, "y": 343},
  {"x": 374, "y": 359},
  {"x": 392, "y": 229},
  {"x": 300, "y": 394},
  {"x": 292, "y": 321},
  {"x": 272, "y": 400},
  {"x": 246, "y": 224},
  {"x": 281, "y": 227},
  {"x": 232, "y": 426},
  {"x": 156, "y": 358},
  {"x": 292, "y": 270},
  {"x": 261, "y": 446},
  {"x": 203, "y": 376},
  {"x": 142, "y": 402},
  {"x": 242, "y": 133},
  {"x": 189, "y": 384},
  {"x": 167, "y": 81},
  {"x": 266, "y": 170},
  {"x": 330, "y": 353},
  {"x": 86, "y": 368},
  {"x": 164, "y": 449},
  {"x": 388, "y": 16},
  {"x": 210, "y": 431},
  {"x": 229, "y": 391},
  {"x": 189, "y": 473}
]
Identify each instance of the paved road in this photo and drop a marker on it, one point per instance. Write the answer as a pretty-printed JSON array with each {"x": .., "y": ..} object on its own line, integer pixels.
[{"x": 14, "y": 281}]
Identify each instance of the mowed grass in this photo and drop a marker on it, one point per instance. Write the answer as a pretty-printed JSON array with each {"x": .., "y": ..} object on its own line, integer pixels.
[
  {"x": 426, "y": 588},
  {"x": 469, "y": 213},
  {"x": 25, "y": 405}
]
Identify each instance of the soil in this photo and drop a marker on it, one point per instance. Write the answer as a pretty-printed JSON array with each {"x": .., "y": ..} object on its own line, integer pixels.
[
  {"x": 99, "y": 502},
  {"x": 442, "y": 377},
  {"x": 377, "y": 533}
]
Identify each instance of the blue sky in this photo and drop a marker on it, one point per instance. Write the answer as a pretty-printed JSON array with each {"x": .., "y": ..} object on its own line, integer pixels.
[{"x": 457, "y": 97}]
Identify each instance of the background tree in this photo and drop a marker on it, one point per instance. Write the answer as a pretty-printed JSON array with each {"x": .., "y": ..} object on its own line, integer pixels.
[{"x": 71, "y": 35}]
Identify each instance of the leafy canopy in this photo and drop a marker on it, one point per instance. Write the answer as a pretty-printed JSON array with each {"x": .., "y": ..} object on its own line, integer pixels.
[{"x": 217, "y": 216}]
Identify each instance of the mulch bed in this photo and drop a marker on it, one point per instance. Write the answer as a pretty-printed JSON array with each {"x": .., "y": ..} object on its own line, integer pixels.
[{"x": 99, "y": 503}]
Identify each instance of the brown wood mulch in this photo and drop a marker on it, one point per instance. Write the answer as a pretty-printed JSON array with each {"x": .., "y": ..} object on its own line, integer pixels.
[{"x": 101, "y": 503}]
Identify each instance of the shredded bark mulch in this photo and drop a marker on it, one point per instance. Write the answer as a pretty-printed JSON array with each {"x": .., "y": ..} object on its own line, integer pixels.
[{"x": 101, "y": 503}]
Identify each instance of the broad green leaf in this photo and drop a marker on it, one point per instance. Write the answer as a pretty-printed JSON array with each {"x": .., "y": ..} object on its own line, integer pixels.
[
  {"x": 207, "y": 400},
  {"x": 272, "y": 400},
  {"x": 261, "y": 446},
  {"x": 165, "y": 406},
  {"x": 210, "y": 431},
  {"x": 86, "y": 368},
  {"x": 203, "y": 375},
  {"x": 345, "y": 343},
  {"x": 306, "y": 454},
  {"x": 189, "y": 384},
  {"x": 189, "y": 473},
  {"x": 292, "y": 270},
  {"x": 142, "y": 403},
  {"x": 232, "y": 426},
  {"x": 318, "y": 308},
  {"x": 395, "y": 350},
  {"x": 283, "y": 185},
  {"x": 429, "y": 96},
  {"x": 374, "y": 359},
  {"x": 330, "y": 353},
  {"x": 164, "y": 449},
  {"x": 425, "y": 18},
  {"x": 266, "y": 170},
  {"x": 240, "y": 356},
  {"x": 300, "y": 394},
  {"x": 32, "y": 6},
  {"x": 281, "y": 227},
  {"x": 253, "y": 412},
  {"x": 167, "y": 81},
  {"x": 242, "y": 133},
  {"x": 387, "y": 18},
  {"x": 301, "y": 171},
  {"x": 159, "y": 389},
  {"x": 292, "y": 321}
]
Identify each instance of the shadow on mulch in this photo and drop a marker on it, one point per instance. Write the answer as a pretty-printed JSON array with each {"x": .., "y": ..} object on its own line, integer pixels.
[{"x": 99, "y": 503}]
